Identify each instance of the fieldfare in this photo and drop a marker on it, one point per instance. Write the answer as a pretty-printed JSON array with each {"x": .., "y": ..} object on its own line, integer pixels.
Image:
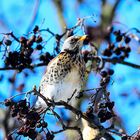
[{"x": 65, "y": 73}]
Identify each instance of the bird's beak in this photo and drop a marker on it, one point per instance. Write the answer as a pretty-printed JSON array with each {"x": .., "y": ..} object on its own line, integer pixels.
[{"x": 82, "y": 38}]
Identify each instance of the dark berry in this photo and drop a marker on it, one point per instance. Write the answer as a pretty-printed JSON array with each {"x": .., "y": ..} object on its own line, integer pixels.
[
  {"x": 42, "y": 58},
  {"x": 36, "y": 28},
  {"x": 126, "y": 55},
  {"x": 49, "y": 136},
  {"x": 127, "y": 39},
  {"x": 103, "y": 73},
  {"x": 110, "y": 71},
  {"x": 119, "y": 38},
  {"x": 117, "y": 33},
  {"x": 102, "y": 83},
  {"x": 101, "y": 113},
  {"x": 39, "y": 47},
  {"x": 122, "y": 57},
  {"x": 107, "y": 79},
  {"x": 7, "y": 42},
  {"x": 9, "y": 137},
  {"x": 117, "y": 51},
  {"x": 102, "y": 119},
  {"x": 80, "y": 95},
  {"x": 38, "y": 39},
  {"x": 22, "y": 103},
  {"x": 8, "y": 102},
  {"x": 102, "y": 105},
  {"x": 111, "y": 46},
  {"x": 108, "y": 115},
  {"x": 1, "y": 42},
  {"x": 30, "y": 43},
  {"x": 127, "y": 49},
  {"x": 111, "y": 29},
  {"x": 107, "y": 52},
  {"x": 39, "y": 125},
  {"x": 1, "y": 77},
  {"x": 110, "y": 105},
  {"x": 11, "y": 80},
  {"x": 44, "y": 124},
  {"x": 33, "y": 38},
  {"x": 14, "y": 114},
  {"x": 23, "y": 40}
]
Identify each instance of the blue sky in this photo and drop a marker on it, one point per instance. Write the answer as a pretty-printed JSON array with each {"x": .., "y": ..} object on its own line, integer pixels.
[{"x": 16, "y": 16}]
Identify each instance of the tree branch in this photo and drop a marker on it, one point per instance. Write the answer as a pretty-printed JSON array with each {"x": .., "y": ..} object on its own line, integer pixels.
[{"x": 115, "y": 61}]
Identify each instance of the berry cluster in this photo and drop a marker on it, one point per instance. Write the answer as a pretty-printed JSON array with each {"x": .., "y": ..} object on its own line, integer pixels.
[
  {"x": 30, "y": 118},
  {"x": 23, "y": 57},
  {"x": 46, "y": 57},
  {"x": 106, "y": 76},
  {"x": 105, "y": 111},
  {"x": 120, "y": 51}
]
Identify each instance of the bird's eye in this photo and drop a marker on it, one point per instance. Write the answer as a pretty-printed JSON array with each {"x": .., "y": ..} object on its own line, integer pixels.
[{"x": 74, "y": 40}]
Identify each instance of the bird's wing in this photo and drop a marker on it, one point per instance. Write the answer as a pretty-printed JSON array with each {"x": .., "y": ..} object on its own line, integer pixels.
[{"x": 57, "y": 69}]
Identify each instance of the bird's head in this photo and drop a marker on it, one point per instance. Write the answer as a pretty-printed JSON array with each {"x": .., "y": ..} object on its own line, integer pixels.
[{"x": 73, "y": 43}]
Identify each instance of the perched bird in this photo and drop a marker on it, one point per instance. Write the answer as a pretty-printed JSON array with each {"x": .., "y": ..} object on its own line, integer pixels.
[
  {"x": 65, "y": 73},
  {"x": 92, "y": 129}
]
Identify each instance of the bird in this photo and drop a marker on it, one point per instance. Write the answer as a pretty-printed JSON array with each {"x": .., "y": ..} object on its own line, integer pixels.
[
  {"x": 92, "y": 129},
  {"x": 65, "y": 73}
]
